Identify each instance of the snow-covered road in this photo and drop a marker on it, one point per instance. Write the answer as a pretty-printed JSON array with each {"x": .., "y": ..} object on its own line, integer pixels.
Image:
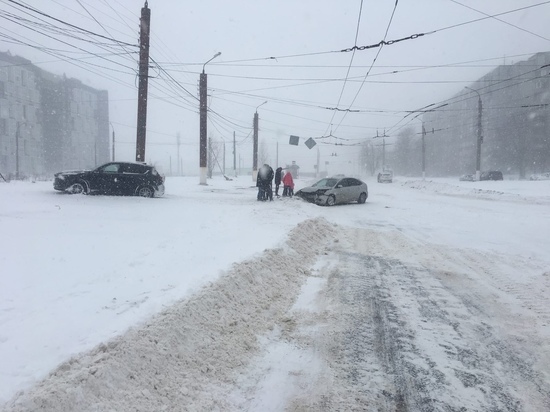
[{"x": 431, "y": 296}]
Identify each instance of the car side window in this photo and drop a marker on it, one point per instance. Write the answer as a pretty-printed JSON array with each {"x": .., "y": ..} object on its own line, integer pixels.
[
  {"x": 133, "y": 169},
  {"x": 354, "y": 182},
  {"x": 112, "y": 168}
]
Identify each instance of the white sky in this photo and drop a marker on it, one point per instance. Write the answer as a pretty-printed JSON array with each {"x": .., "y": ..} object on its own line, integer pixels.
[{"x": 298, "y": 89}]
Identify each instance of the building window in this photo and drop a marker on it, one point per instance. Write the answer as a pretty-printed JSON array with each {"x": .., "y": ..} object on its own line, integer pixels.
[
  {"x": 3, "y": 127},
  {"x": 2, "y": 90}
]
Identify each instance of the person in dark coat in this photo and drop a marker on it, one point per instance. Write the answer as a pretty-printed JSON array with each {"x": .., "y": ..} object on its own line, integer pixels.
[
  {"x": 278, "y": 176},
  {"x": 264, "y": 181}
]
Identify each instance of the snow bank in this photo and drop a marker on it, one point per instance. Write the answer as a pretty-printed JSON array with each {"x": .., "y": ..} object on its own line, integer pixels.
[
  {"x": 186, "y": 357},
  {"x": 489, "y": 190}
]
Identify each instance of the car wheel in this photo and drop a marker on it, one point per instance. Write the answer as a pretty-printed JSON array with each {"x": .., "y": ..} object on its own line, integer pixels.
[
  {"x": 77, "y": 188},
  {"x": 145, "y": 191},
  {"x": 362, "y": 198},
  {"x": 331, "y": 200}
]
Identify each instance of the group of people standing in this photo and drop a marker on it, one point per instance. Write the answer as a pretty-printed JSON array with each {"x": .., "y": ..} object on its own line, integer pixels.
[{"x": 265, "y": 179}]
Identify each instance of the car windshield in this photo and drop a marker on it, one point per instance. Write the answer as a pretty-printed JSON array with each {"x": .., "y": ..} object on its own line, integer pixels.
[{"x": 326, "y": 183}]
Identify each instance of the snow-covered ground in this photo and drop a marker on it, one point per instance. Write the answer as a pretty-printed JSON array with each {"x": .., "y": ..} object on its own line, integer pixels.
[{"x": 91, "y": 284}]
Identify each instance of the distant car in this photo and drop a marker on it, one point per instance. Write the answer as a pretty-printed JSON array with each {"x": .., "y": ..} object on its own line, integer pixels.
[
  {"x": 335, "y": 190},
  {"x": 467, "y": 178},
  {"x": 491, "y": 175},
  {"x": 114, "y": 178},
  {"x": 540, "y": 176},
  {"x": 385, "y": 177}
]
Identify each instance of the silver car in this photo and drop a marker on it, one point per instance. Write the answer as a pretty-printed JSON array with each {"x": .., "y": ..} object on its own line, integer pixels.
[{"x": 335, "y": 190}]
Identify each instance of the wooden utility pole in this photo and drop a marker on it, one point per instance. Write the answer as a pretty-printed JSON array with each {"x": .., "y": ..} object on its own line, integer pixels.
[{"x": 143, "y": 82}]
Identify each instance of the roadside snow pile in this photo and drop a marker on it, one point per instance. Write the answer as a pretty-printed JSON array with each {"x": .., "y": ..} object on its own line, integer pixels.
[
  {"x": 188, "y": 356},
  {"x": 473, "y": 192}
]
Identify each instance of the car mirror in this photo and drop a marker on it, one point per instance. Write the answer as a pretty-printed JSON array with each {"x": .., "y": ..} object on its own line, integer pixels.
[{"x": 338, "y": 186}]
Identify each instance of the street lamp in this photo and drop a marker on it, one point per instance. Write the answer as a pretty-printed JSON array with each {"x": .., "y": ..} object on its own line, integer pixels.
[
  {"x": 203, "y": 140},
  {"x": 255, "y": 148},
  {"x": 479, "y": 134}
]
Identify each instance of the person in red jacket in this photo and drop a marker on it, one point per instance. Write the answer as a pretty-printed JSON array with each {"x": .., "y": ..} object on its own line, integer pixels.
[{"x": 288, "y": 185}]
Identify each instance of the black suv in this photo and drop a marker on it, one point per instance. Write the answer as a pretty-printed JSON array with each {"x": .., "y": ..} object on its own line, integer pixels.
[
  {"x": 491, "y": 175},
  {"x": 114, "y": 178}
]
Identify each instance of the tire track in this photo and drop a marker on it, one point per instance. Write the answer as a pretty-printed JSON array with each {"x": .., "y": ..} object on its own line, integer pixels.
[{"x": 410, "y": 344}]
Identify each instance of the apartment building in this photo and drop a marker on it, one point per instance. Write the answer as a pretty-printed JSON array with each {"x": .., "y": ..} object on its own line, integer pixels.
[{"x": 49, "y": 122}]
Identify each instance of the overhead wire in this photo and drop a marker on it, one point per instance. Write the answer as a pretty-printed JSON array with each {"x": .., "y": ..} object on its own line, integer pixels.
[
  {"x": 34, "y": 10},
  {"x": 500, "y": 20},
  {"x": 371, "y": 66}
]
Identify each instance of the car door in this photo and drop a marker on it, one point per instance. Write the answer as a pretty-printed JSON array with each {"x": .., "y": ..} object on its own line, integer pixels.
[
  {"x": 105, "y": 179},
  {"x": 131, "y": 177},
  {"x": 344, "y": 195},
  {"x": 354, "y": 189}
]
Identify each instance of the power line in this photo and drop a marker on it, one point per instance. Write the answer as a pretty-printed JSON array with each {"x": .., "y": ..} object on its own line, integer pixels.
[
  {"x": 370, "y": 68},
  {"x": 69, "y": 24},
  {"x": 502, "y": 21}
]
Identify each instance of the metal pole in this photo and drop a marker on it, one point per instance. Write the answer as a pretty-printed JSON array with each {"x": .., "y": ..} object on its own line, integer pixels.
[
  {"x": 384, "y": 153},
  {"x": 234, "y": 155},
  {"x": 17, "y": 131},
  {"x": 255, "y": 149},
  {"x": 479, "y": 133},
  {"x": 113, "y": 147},
  {"x": 423, "y": 152},
  {"x": 178, "y": 173},
  {"x": 203, "y": 140},
  {"x": 317, "y": 173},
  {"x": 479, "y": 138},
  {"x": 143, "y": 82}
]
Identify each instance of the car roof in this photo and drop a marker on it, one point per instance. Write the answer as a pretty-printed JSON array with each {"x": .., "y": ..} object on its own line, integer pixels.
[{"x": 127, "y": 163}]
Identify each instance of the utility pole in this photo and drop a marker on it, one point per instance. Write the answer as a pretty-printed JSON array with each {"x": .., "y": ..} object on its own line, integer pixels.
[
  {"x": 223, "y": 158},
  {"x": 178, "y": 141},
  {"x": 318, "y": 165},
  {"x": 479, "y": 138},
  {"x": 143, "y": 82},
  {"x": 203, "y": 157},
  {"x": 479, "y": 134},
  {"x": 17, "y": 133},
  {"x": 383, "y": 148},
  {"x": 234, "y": 156},
  {"x": 203, "y": 139},
  {"x": 113, "y": 147},
  {"x": 255, "y": 148},
  {"x": 209, "y": 158},
  {"x": 423, "y": 152}
]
